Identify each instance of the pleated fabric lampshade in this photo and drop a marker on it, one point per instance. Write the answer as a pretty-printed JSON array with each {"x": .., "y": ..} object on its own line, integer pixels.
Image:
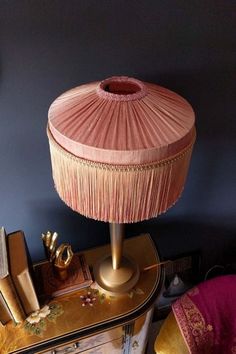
[
  {"x": 120, "y": 148},
  {"x": 120, "y": 152}
]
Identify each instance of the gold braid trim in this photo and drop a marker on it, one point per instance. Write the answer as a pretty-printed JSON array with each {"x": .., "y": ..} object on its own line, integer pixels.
[
  {"x": 121, "y": 168},
  {"x": 198, "y": 335}
]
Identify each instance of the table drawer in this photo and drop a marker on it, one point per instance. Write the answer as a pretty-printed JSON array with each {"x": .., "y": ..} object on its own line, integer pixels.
[
  {"x": 113, "y": 347},
  {"x": 87, "y": 344}
]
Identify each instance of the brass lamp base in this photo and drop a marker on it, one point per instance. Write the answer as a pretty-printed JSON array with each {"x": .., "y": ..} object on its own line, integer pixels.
[{"x": 116, "y": 281}]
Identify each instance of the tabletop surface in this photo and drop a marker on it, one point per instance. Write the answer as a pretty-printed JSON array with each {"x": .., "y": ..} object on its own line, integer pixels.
[{"x": 66, "y": 317}]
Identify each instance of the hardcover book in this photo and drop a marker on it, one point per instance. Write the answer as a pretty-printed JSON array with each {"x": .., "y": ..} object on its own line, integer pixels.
[
  {"x": 20, "y": 272},
  {"x": 50, "y": 285},
  {"x": 8, "y": 295}
]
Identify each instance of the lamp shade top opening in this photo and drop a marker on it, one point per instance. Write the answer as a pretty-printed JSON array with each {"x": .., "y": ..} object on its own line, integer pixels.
[
  {"x": 121, "y": 88},
  {"x": 122, "y": 121}
]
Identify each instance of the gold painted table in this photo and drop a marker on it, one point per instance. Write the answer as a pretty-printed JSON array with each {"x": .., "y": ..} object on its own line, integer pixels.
[{"x": 105, "y": 325}]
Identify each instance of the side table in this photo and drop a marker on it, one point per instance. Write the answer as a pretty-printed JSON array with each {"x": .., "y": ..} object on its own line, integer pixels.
[{"x": 105, "y": 325}]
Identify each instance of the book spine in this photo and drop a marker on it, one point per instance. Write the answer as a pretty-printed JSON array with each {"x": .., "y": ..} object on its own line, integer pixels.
[
  {"x": 26, "y": 292},
  {"x": 11, "y": 300},
  {"x": 18, "y": 259}
]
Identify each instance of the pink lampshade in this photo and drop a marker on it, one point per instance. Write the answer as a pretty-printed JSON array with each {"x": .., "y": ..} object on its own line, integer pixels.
[{"x": 120, "y": 148}]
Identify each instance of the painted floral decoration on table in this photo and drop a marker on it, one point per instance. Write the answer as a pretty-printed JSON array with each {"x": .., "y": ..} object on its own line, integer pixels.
[
  {"x": 36, "y": 323},
  {"x": 88, "y": 299}
]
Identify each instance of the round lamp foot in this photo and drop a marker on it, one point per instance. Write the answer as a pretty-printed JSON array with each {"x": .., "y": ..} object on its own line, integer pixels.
[{"x": 118, "y": 280}]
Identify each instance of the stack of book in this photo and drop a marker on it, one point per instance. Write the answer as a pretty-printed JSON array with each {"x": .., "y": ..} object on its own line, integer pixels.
[{"x": 18, "y": 297}]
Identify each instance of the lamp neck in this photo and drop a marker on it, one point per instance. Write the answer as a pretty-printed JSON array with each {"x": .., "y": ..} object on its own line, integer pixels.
[{"x": 116, "y": 235}]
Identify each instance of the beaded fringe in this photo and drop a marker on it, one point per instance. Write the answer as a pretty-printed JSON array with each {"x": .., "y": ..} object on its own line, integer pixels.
[{"x": 120, "y": 194}]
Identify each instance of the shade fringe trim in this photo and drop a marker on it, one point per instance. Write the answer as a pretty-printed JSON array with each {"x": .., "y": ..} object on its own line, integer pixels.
[{"x": 118, "y": 194}]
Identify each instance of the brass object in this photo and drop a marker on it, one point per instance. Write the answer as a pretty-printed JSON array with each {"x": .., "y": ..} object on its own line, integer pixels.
[
  {"x": 50, "y": 244},
  {"x": 63, "y": 256},
  {"x": 117, "y": 236},
  {"x": 62, "y": 260},
  {"x": 60, "y": 257},
  {"x": 115, "y": 273},
  {"x": 116, "y": 281}
]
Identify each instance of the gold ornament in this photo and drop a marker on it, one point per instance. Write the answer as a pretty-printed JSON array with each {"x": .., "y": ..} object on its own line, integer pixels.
[{"x": 60, "y": 257}]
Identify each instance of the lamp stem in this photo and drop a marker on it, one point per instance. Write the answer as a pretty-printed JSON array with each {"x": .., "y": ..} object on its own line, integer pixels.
[{"x": 116, "y": 235}]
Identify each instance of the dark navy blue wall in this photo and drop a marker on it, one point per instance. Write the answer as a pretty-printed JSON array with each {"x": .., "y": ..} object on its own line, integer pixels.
[{"x": 48, "y": 47}]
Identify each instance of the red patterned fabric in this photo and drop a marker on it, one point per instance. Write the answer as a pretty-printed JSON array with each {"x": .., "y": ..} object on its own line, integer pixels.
[{"x": 206, "y": 316}]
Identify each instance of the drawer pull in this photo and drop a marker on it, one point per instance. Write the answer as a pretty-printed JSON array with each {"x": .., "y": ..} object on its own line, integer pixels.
[{"x": 66, "y": 350}]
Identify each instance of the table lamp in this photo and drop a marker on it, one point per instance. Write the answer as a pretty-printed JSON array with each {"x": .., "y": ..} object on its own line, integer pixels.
[{"x": 120, "y": 151}]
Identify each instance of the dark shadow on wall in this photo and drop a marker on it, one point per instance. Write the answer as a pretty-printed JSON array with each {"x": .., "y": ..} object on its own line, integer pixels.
[{"x": 174, "y": 237}]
